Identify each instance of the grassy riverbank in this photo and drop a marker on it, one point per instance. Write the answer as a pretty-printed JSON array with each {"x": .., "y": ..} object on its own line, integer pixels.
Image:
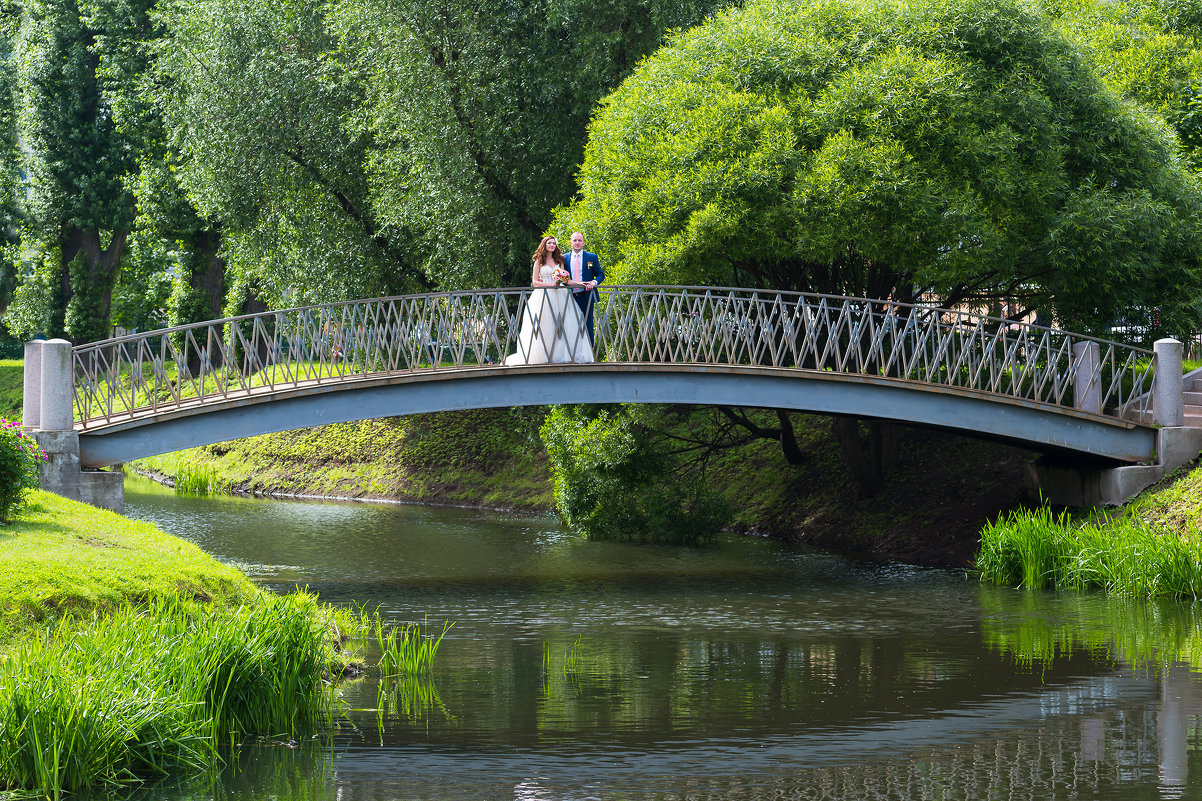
[
  {"x": 486, "y": 457},
  {"x": 62, "y": 558},
  {"x": 127, "y": 654},
  {"x": 1150, "y": 548}
]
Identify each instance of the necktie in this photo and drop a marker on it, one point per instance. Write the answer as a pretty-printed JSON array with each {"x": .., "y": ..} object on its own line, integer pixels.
[{"x": 576, "y": 259}]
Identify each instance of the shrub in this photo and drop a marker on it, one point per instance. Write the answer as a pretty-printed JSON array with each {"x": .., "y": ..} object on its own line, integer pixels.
[
  {"x": 19, "y": 457},
  {"x": 616, "y": 477}
]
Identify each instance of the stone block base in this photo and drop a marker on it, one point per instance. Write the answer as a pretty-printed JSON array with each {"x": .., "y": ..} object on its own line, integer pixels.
[
  {"x": 62, "y": 474},
  {"x": 1066, "y": 485},
  {"x": 1074, "y": 485}
]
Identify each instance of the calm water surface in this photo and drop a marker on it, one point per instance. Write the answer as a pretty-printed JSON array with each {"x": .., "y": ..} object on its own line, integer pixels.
[{"x": 747, "y": 670}]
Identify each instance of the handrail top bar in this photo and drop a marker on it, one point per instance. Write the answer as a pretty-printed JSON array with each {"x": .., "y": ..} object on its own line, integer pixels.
[{"x": 742, "y": 293}]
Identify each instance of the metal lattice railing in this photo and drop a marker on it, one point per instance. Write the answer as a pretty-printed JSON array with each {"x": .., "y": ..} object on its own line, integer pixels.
[{"x": 240, "y": 357}]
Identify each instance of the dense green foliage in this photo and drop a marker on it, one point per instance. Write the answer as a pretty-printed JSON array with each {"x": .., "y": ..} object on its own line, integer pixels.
[
  {"x": 478, "y": 119},
  {"x": 76, "y": 209},
  {"x": 19, "y": 459},
  {"x": 1123, "y": 556},
  {"x": 1149, "y": 50},
  {"x": 257, "y": 99},
  {"x": 960, "y": 149},
  {"x": 164, "y": 163},
  {"x": 142, "y": 692},
  {"x": 615, "y": 478}
]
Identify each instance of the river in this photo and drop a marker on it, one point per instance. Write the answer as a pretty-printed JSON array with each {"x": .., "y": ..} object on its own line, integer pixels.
[{"x": 747, "y": 670}]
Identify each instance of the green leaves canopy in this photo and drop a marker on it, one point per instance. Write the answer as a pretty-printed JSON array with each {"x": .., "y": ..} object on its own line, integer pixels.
[
  {"x": 882, "y": 148},
  {"x": 477, "y": 114},
  {"x": 255, "y": 100}
]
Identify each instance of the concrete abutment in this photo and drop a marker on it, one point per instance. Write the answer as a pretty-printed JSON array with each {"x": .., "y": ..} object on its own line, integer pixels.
[
  {"x": 47, "y": 406},
  {"x": 1068, "y": 484}
]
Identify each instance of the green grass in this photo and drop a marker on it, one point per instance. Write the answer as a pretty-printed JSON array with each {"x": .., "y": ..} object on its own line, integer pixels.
[
  {"x": 12, "y": 389},
  {"x": 408, "y": 649},
  {"x": 61, "y": 557},
  {"x": 129, "y": 655},
  {"x": 145, "y": 692},
  {"x": 198, "y": 479},
  {"x": 486, "y": 457},
  {"x": 1123, "y": 555}
]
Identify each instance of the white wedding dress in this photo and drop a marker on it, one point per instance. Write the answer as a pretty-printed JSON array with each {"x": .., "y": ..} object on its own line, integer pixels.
[{"x": 552, "y": 327}]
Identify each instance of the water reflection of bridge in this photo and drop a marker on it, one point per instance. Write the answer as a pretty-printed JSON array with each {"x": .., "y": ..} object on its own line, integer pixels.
[
  {"x": 1120, "y": 735},
  {"x": 1046, "y": 389}
]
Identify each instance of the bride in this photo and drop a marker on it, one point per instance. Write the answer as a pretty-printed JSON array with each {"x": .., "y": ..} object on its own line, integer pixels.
[{"x": 552, "y": 328}]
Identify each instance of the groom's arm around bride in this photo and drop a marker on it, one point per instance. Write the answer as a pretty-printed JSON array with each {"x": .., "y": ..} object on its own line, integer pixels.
[{"x": 590, "y": 275}]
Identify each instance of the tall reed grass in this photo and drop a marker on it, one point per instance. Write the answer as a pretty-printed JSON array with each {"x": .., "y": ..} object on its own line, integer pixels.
[
  {"x": 197, "y": 479},
  {"x": 145, "y": 692},
  {"x": 1123, "y": 556},
  {"x": 407, "y": 649}
]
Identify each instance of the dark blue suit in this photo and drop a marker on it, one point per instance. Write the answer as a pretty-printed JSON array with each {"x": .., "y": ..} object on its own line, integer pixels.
[{"x": 590, "y": 270}]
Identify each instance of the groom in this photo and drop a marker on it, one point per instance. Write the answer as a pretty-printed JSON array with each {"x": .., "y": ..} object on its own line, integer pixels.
[{"x": 585, "y": 268}]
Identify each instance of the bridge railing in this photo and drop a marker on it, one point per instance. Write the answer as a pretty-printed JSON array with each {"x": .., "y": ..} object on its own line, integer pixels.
[{"x": 240, "y": 357}]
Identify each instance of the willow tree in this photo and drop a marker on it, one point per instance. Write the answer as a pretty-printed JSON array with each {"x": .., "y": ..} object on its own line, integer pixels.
[
  {"x": 1148, "y": 50},
  {"x": 477, "y": 114},
  {"x": 882, "y": 149},
  {"x": 256, "y": 101},
  {"x": 872, "y": 148},
  {"x": 77, "y": 208}
]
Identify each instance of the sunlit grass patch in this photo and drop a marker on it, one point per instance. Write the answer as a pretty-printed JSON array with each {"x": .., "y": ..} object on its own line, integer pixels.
[
  {"x": 198, "y": 479},
  {"x": 1123, "y": 555},
  {"x": 63, "y": 557},
  {"x": 144, "y": 692}
]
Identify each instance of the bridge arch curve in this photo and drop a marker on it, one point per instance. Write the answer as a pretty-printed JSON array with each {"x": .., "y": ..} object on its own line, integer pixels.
[{"x": 1040, "y": 426}]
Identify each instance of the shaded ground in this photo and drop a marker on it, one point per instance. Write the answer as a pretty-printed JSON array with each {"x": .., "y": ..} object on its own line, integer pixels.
[{"x": 938, "y": 496}]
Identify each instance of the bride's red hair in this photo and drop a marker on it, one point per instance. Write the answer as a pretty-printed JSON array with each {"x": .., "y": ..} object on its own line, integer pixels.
[{"x": 540, "y": 255}]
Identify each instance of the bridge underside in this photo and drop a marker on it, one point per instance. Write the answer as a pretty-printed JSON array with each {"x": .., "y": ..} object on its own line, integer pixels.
[{"x": 1036, "y": 426}]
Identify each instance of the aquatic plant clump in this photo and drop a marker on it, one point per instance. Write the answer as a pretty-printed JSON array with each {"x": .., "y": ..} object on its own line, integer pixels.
[
  {"x": 146, "y": 692},
  {"x": 407, "y": 649},
  {"x": 1123, "y": 556}
]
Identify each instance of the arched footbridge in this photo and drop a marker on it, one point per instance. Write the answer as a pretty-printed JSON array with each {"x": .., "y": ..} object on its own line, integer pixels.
[{"x": 161, "y": 391}]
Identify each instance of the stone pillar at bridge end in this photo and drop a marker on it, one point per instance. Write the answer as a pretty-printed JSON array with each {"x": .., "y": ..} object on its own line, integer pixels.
[
  {"x": 50, "y": 388},
  {"x": 1070, "y": 484},
  {"x": 1168, "y": 398},
  {"x": 31, "y": 396}
]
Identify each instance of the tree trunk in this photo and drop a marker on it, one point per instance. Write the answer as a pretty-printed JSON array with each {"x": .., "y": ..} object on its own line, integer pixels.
[
  {"x": 92, "y": 289},
  {"x": 869, "y": 457},
  {"x": 211, "y": 282}
]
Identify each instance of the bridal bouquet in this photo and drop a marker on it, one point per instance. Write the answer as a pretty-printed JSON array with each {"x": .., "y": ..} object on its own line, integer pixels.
[{"x": 561, "y": 276}]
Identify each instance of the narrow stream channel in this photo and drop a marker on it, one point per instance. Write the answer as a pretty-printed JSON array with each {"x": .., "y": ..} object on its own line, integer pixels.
[{"x": 746, "y": 670}]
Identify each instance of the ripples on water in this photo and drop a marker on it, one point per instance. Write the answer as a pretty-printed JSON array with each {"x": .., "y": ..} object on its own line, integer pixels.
[{"x": 747, "y": 670}]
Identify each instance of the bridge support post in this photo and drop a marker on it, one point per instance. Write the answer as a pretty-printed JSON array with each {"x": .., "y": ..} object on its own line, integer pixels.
[
  {"x": 48, "y": 416},
  {"x": 1075, "y": 485},
  {"x": 1168, "y": 398},
  {"x": 1087, "y": 395}
]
